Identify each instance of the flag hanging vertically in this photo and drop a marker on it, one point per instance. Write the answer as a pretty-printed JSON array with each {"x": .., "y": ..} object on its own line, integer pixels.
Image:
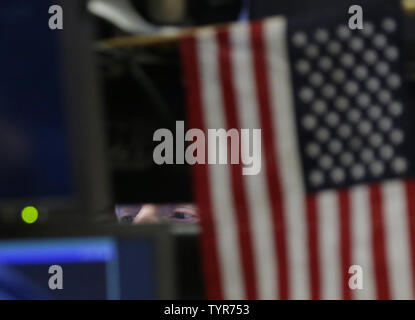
[{"x": 335, "y": 189}]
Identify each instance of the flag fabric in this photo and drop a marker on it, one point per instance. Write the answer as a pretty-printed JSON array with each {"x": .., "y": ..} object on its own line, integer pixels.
[{"x": 335, "y": 189}]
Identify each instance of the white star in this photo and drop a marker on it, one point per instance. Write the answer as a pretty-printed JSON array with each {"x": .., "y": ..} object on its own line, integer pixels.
[
  {"x": 312, "y": 51},
  {"x": 343, "y": 32},
  {"x": 365, "y": 127},
  {"x": 316, "y": 79},
  {"x": 380, "y": 41},
  {"x": 361, "y": 72},
  {"x": 322, "y": 35},
  {"x": 309, "y": 122},
  {"x": 306, "y": 94},
  {"x": 385, "y": 124},
  {"x": 382, "y": 68},
  {"x": 334, "y": 48},
  {"x": 396, "y": 109},
  {"x": 322, "y": 135},
  {"x": 354, "y": 115},
  {"x": 329, "y": 91},
  {"x": 373, "y": 84},
  {"x": 394, "y": 81},
  {"x": 368, "y": 29},
  {"x": 299, "y": 39},
  {"x": 347, "y": 60},
  {"x": 320, "y": 106},
  {"x": 313, "y": 150},
  {"x": 357, "y": 44},
  {"x": 367, "y": 155},
  {"x": 326, "y": 162},
  {"x": 389, "y": 25},
  {"x": 335, "y": 146},
  {"x": 386, "y": 152},
  {"x": 358, "y": 171},
  {"x": 344, "y": 131},
  {"x": 325, "y": 63},
  {"x": 370, "y": 57},
  {"x": 363, "y": 100},
  {"x": 375, "y": 112},
  {"x": 397, "y": 137},
  {"x": 392, "y": 53},
  {"x": 347, "y": 159},
  {"x": 338, "y": 175},
  {"x": 385, "y": 96},
  {"x": 351, "y": 88},
  {"x": 377, "y": 168},
  {"x": 376, "y": 140},
  {"x": 399, "y": 165},
  {"x": 316, "y": 178},
  {"x": 303, "y": 67},
  {"x": 355, "y": 143},
  {"x": 342, "y": 103},
  {"x": 338, "y": 75}
]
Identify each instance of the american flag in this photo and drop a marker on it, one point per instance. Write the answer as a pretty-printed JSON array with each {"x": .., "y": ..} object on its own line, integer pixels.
[{"x": 335, "y": 189}]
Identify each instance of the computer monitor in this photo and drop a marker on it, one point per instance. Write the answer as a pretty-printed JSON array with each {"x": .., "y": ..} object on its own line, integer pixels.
[
  {"x": 107, "y": 265},
  {"x": 51, "y": 136}
]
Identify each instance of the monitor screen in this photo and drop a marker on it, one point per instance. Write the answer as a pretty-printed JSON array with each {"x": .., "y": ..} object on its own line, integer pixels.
[
  {"x": 34, "y": 153},
  {"x": 92, "y": 268}
]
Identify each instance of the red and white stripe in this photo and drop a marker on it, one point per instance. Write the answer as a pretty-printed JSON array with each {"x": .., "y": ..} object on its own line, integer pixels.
[{"x": 263, "y": 236}]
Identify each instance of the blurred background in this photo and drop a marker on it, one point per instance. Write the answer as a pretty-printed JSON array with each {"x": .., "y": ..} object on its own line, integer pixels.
[{"x": 78, "y": 109}]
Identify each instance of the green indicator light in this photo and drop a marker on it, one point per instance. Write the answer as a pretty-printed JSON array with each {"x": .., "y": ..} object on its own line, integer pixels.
[{"x": 30, "y": 215}]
